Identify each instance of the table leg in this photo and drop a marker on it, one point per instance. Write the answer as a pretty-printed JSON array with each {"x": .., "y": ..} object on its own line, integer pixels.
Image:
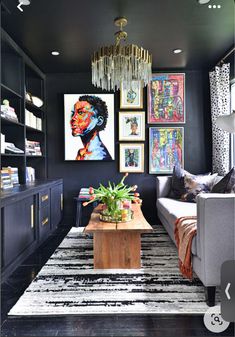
[{"x": 117, "y": 250}]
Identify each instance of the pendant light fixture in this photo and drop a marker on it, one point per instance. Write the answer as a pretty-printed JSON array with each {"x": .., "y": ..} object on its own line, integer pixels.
[{"x": 116, "y": 64}]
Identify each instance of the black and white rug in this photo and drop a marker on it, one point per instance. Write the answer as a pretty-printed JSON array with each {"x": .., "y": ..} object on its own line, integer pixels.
[{"x": 68, "y": 284}]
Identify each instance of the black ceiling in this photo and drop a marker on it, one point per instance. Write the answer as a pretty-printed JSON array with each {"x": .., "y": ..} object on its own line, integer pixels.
[{"x": 78, "y": 27}]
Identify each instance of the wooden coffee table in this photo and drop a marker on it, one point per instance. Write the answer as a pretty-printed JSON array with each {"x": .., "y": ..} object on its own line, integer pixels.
[{"x": 117, "y": 245}]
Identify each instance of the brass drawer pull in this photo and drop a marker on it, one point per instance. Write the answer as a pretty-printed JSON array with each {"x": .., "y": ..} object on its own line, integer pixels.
[
  {"x": 61, "y": 201},
  {"x": 45, "y": 221},
  {"x": 32, "y": 216},
  {"x": 45, "y": 197}
]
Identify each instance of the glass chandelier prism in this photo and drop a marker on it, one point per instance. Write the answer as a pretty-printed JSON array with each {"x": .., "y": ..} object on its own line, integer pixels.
[{"x": 116, "y": 64}]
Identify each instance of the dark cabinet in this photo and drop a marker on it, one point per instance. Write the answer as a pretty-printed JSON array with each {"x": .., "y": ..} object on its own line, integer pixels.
[
  {"x": 29, "y": 215},
  {"x": 18, "y": 228},
  {"x": 56, "y": 205}
]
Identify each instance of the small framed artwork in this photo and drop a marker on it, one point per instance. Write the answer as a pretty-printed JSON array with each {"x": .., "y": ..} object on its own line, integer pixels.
[
  {"x": 131, "y": 157},
  {"x": 131, "y": 98},
  {"x": 166, "y": 149},
  {"x": 166, "y": 98},
  {"x": 132, "y": 126}
]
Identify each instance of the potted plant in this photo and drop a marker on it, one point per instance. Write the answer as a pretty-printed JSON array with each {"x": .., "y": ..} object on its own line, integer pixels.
[{"x": 116, "y": 200}]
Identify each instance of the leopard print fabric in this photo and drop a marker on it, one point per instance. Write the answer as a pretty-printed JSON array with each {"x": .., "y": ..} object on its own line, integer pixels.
[{"x": 220, "y": 105}]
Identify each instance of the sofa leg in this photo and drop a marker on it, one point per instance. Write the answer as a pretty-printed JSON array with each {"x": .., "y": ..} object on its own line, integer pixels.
[{"x": 210, "y": 296}]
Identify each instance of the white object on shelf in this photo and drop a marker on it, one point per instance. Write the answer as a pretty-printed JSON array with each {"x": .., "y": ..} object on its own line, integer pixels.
[
  {"x": 30, "y": 174},
  {"x": 2, "y": 143},
  {"x": 39, "y": 123}
]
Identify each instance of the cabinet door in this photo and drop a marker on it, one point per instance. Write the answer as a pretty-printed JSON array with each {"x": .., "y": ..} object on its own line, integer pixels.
[
  {"x": 44, "y": 223},
  {"x": 56, "y": 205},
  {"x": 18, "y": 228}
]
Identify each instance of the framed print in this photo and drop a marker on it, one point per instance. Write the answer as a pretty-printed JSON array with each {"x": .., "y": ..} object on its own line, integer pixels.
[
  {"x": 89, "y": 127},
  {"x": 132, "y": 126},
  {"x": 166, "y": 149},
  {"x": 131, "y": 157},
  {"x": 166, "y": 98},
  {"x": 131, "y": 98}
]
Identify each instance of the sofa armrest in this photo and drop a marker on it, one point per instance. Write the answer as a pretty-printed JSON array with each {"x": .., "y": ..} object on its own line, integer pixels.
[
  {"x": 163, "y": 186},
  {"x": 215, "y": 233}
]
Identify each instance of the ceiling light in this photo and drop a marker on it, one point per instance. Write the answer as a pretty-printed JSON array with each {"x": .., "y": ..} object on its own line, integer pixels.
[
  {"x": 214, "y": 6},
  {"x": 209, "y": 6},
  {"x": 177, "y": 51},
  {"x": 203, "y": 2},
  {"x": 218, "y": 6},
  {"x": 55, "y": 53},
  {"x": 116, "y": 64}
]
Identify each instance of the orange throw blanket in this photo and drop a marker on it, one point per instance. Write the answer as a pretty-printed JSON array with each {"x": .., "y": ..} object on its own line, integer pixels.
[{"x": 185, "y": 229}]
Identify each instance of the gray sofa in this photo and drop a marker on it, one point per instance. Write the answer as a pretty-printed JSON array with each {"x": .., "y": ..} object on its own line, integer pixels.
[{"x": 215, "y": 239}]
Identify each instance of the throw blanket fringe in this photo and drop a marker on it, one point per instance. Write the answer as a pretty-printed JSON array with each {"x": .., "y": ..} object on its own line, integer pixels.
[{"x": 185, "y": 230}]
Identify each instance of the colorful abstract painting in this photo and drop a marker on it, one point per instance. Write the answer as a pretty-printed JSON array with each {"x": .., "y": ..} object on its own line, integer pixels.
[
  {"x": 89, "y": 127},
  {"x": 166, "y": 149},
  {"x": 166, "y": 98}
]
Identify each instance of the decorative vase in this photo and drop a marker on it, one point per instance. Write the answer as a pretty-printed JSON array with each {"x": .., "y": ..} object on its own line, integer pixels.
[{"x": 117, "y": 211}]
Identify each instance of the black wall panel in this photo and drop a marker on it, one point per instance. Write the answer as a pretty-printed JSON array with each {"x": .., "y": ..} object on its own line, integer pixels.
[{"x": 80, "y": 174}]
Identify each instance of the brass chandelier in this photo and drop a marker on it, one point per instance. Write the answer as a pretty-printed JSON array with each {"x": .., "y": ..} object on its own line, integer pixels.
[{"x": 116, "y": 64}]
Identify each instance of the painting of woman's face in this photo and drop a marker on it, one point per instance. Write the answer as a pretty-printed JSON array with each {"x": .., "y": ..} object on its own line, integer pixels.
[{"x": 84, "y": 118}]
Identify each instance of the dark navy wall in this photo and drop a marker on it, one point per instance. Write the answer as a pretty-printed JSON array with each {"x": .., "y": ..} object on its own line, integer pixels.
[{"x": 78, "y": 174}]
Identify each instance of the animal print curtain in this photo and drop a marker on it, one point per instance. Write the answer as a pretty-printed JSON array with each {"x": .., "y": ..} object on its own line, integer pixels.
[{"x": 220, "y": 105}]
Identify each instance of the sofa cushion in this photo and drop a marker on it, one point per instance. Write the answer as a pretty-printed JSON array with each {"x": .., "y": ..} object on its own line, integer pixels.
[
  {"x": 171, "y": 210},
  {"x": 177, "y": 182},
  {"x": 195, "y": 184},
  {"x": 174, "y": 209},
  {"x": 226, "y": 184}
]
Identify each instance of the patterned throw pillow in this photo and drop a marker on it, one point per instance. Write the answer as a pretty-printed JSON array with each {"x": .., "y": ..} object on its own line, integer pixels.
[
  {"x": 226, "y": 184},
  {"x": 195, "y": 184}
]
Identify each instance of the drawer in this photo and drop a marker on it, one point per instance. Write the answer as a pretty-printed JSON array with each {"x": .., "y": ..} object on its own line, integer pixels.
[
  {"x": 44, "y": 223},
  {"x": 44, "y": 198}
]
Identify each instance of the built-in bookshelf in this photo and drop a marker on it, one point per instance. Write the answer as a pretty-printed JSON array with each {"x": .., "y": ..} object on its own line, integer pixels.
[{"x": 19, "y": 75}]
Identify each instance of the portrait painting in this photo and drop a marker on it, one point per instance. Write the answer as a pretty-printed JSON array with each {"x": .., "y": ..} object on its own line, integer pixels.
[
  {"x": 166, "y": 98},
  {"x": 131, "y": 158},
  {"x": 89, "y": 127},
  {"x": 131, "y": 97},
  {"x": 166, "y": 149},
  {"x": 132, "y": 126}
]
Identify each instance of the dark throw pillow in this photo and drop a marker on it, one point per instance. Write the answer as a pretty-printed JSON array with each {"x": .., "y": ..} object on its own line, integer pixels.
[
  {"x": 226, "y": 184},
  {"x": 177, "y": 182}
]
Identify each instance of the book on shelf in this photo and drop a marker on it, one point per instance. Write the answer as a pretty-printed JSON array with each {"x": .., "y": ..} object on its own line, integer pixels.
[
  {"x": 11, "y": 173},
  {"x": 5, "y": 179},
  {"x": 8, "y": 112},
  {"x": 2, "y": 143},
  {"x": 33, "y": 121},
  {"x": 30, "y": 174},
  {"x": 32, "y": 148}
]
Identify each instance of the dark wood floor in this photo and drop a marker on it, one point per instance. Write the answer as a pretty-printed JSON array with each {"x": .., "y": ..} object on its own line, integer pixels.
[{"x": 89, "y": 325}]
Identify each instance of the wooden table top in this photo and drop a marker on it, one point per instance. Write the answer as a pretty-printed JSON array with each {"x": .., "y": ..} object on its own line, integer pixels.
[{"x": 137, "y": 224}]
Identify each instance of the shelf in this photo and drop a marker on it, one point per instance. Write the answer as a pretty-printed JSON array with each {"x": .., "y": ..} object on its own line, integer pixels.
[
  {"x": 20, "y": 74},
  {"x": 28, "y": 156},
  {"x": 12, "y": 155},
  {"x": 29, "y": 128},
  {"x": 10, "y": 91},
  {"x": 6, "y": 121}
]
